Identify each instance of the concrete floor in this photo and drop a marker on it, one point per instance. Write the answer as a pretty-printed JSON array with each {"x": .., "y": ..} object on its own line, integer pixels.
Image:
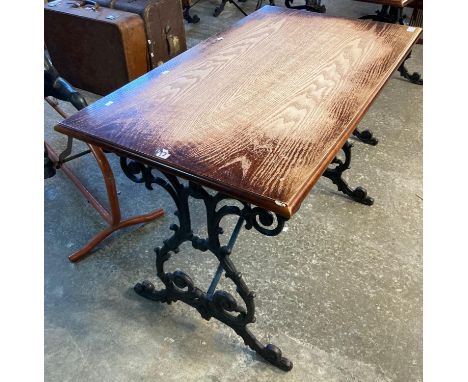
[{"x": 339, "y": 291}]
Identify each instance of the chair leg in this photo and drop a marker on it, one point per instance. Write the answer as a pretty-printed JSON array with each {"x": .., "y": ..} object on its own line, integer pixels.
[{"x": 115, "y": 218}]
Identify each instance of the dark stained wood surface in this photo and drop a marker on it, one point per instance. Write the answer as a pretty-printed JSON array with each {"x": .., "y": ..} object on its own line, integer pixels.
[
  {"x": 394, "y": 3},
  {"x": 258, "y": 111}
]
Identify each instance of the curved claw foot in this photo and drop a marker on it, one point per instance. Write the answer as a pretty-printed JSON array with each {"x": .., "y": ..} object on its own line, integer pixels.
[
  {"x": 366, "y": 137},
  {"x": 190, "y": 19},
  {"x": 147, "y": 290},
  {"x": 414, "y": 78},
  {"x": 359, "y": 195},
  {"x": 273, "y": 354}
]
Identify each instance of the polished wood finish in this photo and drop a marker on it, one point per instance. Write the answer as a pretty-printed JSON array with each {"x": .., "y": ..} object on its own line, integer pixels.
[
  {"x": 393, "y": 3},
  {"x": 258, "y": 111}
]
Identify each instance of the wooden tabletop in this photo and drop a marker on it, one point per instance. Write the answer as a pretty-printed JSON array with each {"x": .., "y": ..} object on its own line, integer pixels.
[
  {"x": 258, "y": 111},
  {"x": 393, "y": 3}
]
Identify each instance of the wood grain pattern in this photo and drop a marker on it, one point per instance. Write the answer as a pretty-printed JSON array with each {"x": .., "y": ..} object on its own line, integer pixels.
[
  {"x": 393, "y": 3},
  {"x": 258, "y": 111}
]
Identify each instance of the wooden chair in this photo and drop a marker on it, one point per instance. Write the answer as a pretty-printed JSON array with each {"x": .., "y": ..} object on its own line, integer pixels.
[{"x": 55, "y": 87}]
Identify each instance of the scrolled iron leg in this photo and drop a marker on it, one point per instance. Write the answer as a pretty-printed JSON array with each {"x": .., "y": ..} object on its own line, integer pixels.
[
  {"x": 190, "y": 19},
  {"x": 414, "y": 77},
  {"x": 359, "y": 194},
  {"x": 366, "y": 136},
  {"x": 179, "y": 286}
]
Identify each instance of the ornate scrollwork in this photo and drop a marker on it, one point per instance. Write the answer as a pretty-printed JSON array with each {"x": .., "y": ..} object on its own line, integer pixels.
[
  {"x": 366, "y": 136},
  {"x": 179, "y": 286},
  {"x": 359, "y": 194}
]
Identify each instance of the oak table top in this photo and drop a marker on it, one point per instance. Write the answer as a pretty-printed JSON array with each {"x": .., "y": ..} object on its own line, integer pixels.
[{"x": 257, "y": 111}]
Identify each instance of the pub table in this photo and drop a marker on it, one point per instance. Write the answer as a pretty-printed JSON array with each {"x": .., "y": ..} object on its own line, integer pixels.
[{"x": 246, "y": 121}]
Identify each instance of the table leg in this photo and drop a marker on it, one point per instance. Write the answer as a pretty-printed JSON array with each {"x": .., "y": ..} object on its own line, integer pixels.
[
  {"x": 190, "y": 19},
  {"x": 359, "y": 194},
  {"x": 366, "y": 136},
  {"x": 414, "y": 77},
  {"x": 179, "y": 286}
]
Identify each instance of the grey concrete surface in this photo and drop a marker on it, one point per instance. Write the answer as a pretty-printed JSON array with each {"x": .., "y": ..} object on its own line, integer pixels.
[{"x": 339, "y": 291}]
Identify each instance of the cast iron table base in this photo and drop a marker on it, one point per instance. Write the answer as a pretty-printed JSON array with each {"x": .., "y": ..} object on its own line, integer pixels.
[
  {"x": 310, "y": 5},
  {"x": 213, "y": 303}
]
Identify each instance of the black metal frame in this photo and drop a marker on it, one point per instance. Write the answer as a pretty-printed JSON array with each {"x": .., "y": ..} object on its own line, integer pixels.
[
  {"x": 310, "y": 5},
  {"x": 57, "y": 87},
  {"x": 221, "y": 6},
  {"x": 189, "y": 18},
  {"x": 366, "y": 136},
  {"x": 179, "y": 286}
]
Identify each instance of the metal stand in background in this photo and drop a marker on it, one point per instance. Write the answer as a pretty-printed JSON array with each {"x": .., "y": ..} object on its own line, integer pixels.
[
  {"x": 219, "y": 9},
  {"x": 310, "y": 5},
  {"x": 179, "y": 286},
  {"x": 190, "y": 19}
]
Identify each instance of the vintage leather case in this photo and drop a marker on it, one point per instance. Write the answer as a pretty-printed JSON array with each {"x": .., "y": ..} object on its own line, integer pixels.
[
  {"x": 164, "y": 24},
  {"x": 98, "y": 50}
]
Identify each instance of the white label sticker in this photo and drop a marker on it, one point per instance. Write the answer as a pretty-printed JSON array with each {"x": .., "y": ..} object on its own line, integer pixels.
[
  {"x": 411, "y": 29},
  {"x": 108, "y": 103},
  {"x": 162, "y": 153}
]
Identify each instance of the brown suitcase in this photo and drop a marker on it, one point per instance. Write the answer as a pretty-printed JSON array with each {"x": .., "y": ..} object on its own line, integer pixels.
[
  {"x": 95, "y": 48},
  {"x": 165, "y": 32}
]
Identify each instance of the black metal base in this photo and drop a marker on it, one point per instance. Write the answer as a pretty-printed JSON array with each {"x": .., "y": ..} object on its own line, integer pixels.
[
  {"x": 366, "y": 136},
  {"x": 220, "y": 9},
  {"x": 394, "y": 15},
  {"x": 220, "y": 305},
  {"x": 359, "y": 194},
  {"x": 414, "y": 78},
  {"x": 310, "y": 5},
  {"x": 190, "y": 19}
]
